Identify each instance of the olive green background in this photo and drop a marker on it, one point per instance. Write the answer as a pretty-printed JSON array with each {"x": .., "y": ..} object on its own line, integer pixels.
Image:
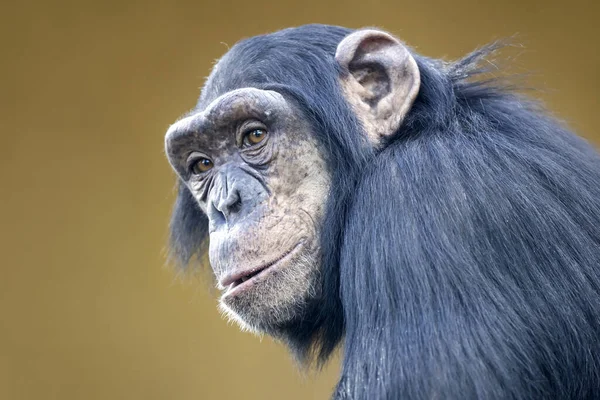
[{"x": 88, "y": 307}]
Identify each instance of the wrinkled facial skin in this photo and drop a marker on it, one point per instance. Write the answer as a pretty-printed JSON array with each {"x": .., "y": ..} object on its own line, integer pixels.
[{"x": 264, "y": 202}]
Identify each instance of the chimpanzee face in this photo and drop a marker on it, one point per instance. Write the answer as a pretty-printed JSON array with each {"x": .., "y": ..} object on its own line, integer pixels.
[{"x": 254, "y": 167}]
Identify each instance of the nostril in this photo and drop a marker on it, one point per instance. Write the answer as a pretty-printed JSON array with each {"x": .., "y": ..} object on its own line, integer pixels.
[
  {"x": 236, "y": 205},
  {"x": 232, "y": 204},
  {"x": 223, "y": 210}
]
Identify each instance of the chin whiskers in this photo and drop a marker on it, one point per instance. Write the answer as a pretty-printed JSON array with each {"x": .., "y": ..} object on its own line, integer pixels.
[{"x": 233, "y": 318}]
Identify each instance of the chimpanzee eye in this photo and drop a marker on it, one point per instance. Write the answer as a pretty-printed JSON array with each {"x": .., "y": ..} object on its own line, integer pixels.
[
  {"x": 254, "y": 136},
  {"x": 201, "y": 166}
]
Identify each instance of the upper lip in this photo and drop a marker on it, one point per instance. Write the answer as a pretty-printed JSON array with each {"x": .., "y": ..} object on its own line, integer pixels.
[{"x": 237, "y": 276}]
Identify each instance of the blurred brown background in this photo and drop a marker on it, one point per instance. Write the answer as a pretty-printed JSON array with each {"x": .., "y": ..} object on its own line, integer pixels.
[{"x": 88, "y": 309}]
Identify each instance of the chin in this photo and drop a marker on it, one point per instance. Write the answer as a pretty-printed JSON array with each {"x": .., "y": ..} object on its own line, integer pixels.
[{"x": 275, "y": 298}]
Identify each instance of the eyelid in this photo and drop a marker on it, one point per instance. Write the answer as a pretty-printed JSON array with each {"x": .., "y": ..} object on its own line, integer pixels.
[
  {"x": 246, "y": 127},
  {"x": 193, "y": 158}
]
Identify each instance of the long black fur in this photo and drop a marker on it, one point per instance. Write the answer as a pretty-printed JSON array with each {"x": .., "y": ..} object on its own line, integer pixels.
[{"x": 461, "y": 261}]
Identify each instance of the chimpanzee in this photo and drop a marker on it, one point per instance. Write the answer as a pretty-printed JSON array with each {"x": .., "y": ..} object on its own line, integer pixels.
[{"x": 442, "y": 226}]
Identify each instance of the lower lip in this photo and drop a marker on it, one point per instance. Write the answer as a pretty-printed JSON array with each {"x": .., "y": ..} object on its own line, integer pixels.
[{"x": 244, "y": 286}]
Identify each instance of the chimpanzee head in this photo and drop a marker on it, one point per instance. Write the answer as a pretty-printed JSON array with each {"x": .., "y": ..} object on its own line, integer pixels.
[{"x": 255, "y": 160}]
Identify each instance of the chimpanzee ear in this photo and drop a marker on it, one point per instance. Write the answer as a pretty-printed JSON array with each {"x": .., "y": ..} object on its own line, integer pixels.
[
  {"x": 189, "y": 227},
  {"x": 381, "y": 80}
]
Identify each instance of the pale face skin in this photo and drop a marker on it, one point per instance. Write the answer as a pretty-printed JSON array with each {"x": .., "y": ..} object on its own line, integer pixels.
[{"x": 264, "y": 190}]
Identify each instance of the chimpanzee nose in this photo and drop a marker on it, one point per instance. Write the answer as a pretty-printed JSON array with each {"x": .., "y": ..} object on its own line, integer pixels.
[
  {"x": 235, "y": 195},
  {"x": 229, "y": 204},
  {"x": 226, "y": 200}
]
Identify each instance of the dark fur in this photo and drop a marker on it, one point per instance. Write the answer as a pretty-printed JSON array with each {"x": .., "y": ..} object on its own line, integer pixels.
[{"x": 461, "y": 261}]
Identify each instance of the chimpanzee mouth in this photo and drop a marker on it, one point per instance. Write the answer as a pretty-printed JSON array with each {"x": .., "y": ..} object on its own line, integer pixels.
[{"x": 239, "y": 281}]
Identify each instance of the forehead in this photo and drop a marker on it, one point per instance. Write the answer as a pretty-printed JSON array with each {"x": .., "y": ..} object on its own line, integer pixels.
[{"x": 231, "y": 106}]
